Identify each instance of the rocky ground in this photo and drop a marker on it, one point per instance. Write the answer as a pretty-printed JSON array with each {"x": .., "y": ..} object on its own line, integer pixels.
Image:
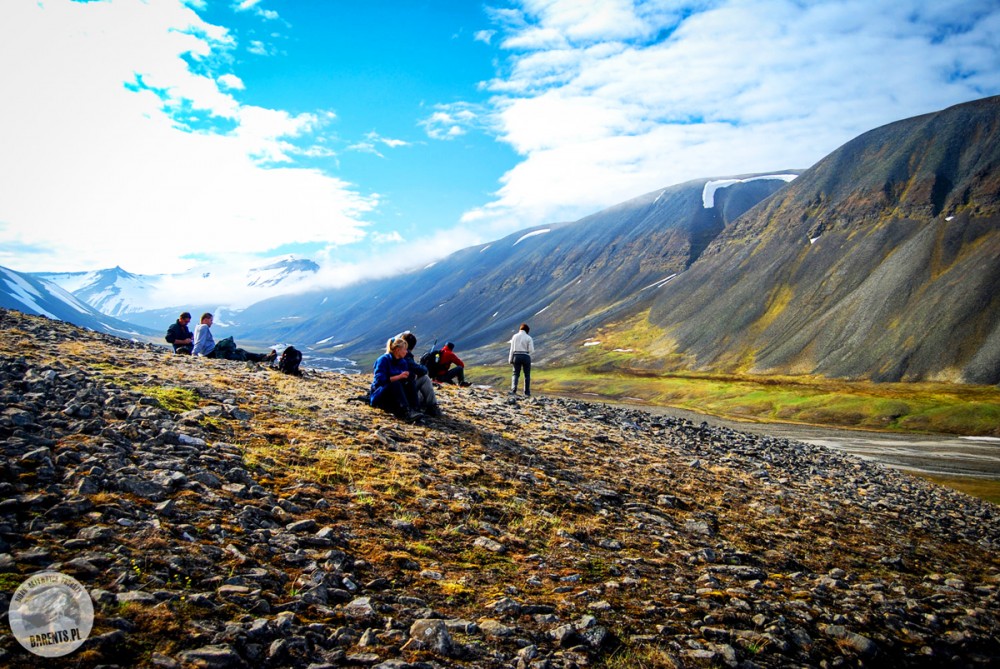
[{"x": 225, "y": 515}]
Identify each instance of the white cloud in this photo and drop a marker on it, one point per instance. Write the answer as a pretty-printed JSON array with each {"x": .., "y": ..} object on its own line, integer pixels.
[
  {"x": 485, "y": 36},
  {"x": 232, "y": 82},
  {"x": 254, "y": 6},
  {"x": 607, "y": 100},
  {"x": 449, "y": 121},
  {"x": 258, "y": 48},
  {"x": 368, "y": 145},
  {"x": 387, "y": 238},
  {"x": 110, "y": 152}
]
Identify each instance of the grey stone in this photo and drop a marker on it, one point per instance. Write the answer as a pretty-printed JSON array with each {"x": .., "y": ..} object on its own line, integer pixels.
[
  {"x": 433, "y": 635},
  {"x": 494, "y": 628},
  {"x": 218, "y": 656},
  {"x": 359, "y": 608},
  {"x": 135, "y": 596},
  {"x": 307, "y": 525},
  {"x": 489, "y": 544}
]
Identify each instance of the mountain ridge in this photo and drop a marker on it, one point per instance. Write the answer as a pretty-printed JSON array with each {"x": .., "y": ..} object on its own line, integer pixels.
[{"x": 870, "y": 267}]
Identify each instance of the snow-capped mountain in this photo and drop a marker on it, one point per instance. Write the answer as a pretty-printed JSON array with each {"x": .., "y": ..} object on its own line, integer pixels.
[
  {"x": 289, "y": 268},
  {"x": 114, "y": 291},
  {"x": 154, "y": 300},
  {"x": 33, "y": 295}
]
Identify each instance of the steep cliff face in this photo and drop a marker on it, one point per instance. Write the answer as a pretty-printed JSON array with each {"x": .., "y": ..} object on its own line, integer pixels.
[{"x": 879, "y": 262}]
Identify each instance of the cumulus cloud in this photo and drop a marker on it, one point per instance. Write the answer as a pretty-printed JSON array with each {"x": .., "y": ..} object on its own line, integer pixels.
[
  {"x": 115, "y": 147},
  {"x": 232, "y": 82},
  {"x": 607, "y": 100}
]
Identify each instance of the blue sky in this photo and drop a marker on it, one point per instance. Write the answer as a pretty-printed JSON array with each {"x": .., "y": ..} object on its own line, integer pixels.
[{"x": 377, "y": 136}]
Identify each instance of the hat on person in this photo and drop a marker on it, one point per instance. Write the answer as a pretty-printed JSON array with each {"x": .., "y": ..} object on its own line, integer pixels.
[{"x": 449, "y": 346}]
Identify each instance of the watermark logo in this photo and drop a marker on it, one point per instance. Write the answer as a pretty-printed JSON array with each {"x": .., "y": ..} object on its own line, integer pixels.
[{"x": 51, "y": 614}]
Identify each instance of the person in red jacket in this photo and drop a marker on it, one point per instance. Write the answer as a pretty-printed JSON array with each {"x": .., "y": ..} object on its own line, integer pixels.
[{"x": 446, "y": 375}]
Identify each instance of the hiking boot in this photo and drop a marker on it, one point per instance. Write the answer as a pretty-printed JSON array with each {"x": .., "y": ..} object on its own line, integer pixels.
[
  {"x": 465, "y": 384},
  {"x": 271, "y": 357}
]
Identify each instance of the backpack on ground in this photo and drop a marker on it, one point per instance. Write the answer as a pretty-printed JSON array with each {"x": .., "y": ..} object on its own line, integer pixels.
[
  {"x": 226, "y": 349},
  {"x": 290, "y": 360},
  {"x": 432, "y": 361}
]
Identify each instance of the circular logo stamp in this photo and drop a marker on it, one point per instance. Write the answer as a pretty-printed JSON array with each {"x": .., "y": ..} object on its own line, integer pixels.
[{"x": 51, "y": 614}]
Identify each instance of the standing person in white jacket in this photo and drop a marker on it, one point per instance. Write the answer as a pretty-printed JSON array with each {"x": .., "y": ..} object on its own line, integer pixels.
[{"x": 521, "y": 348}]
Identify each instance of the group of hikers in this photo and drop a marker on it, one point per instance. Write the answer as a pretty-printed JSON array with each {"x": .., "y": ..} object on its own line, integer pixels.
[
  {"x": 400, "y": 385},
  {"x": 203, "y": 344},
  {"x": 404, "y": 387}
]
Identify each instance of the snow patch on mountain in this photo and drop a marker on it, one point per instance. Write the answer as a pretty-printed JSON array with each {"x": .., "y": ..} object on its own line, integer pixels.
[
  {"x": 60, "y": 293},
  {"x": 708, "y": 194},
  {"x": 659, "y": 283},
  {"x": 531, "y": 234}
]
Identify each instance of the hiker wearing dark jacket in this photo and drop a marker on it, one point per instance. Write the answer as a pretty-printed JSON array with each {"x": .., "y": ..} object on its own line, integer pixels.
[
  {"x": 421, "y": 380},
  {"x": 389, "y": 390},
  {"x": 521, "y": 348},
  {"x": 179, "y": 336},
  {"x": 446, "y": 375}
]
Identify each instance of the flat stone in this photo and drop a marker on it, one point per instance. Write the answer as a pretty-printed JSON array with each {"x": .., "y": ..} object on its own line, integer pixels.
[
  {"x": 211, "y": 657},
  {"x": 307, "y": 525},
  {"x": 489, "y": 544},
  {"x": 137, "y": 596}
]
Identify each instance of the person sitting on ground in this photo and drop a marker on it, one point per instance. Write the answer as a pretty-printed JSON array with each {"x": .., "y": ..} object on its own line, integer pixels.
[
  {"x": 389, "y": 391},
  {"x": 205, "y": 346},
  {"x": 179, "y": 336},
  {"x": 421, "y": 380},
  {"x": 521, "y": 348},
  {"x": 446, "y": 375}
]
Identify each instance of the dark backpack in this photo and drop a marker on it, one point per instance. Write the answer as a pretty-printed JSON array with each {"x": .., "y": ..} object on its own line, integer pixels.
[
  {"x": 289, "y": 361},
  {"x": 226, "y": 349},
  {"x": 431, "y": 361}
]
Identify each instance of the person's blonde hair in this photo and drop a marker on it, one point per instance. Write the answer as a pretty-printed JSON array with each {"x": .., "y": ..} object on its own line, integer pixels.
[{"x": 394, "y": 343}]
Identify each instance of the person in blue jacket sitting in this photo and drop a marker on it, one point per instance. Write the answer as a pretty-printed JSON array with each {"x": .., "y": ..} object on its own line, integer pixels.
[{"x": 389, "y": 390}]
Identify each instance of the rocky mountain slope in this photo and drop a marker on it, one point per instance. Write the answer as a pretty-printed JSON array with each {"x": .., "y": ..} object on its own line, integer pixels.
[
  {"x": 556, "y": 276},
  {"x": 224, "y": 515},
  {"x": 882, "y": 261}
]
